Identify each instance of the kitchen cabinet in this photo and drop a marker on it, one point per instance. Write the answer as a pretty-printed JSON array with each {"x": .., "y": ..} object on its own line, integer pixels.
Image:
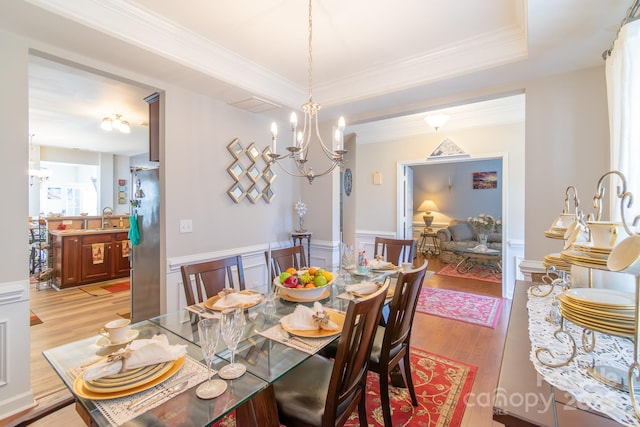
[
  {"x": 154, "y": 126},
  {"x": 121, "y": 264},
  {"x": 82, "y": 257},
  {"x": 66, "y": 257},
  {"x": 98, "y": 267}
]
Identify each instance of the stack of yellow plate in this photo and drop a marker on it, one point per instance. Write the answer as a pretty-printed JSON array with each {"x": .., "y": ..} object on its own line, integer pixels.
[
  {"x": 584, "y": 260},
  {"x": 587, "y": 248},
  {"x": 555, "y": 233},
  {"x": 554, "y": 260},
  {"x": 126, "y": 383},
  {"x": 602, "y": 310}
]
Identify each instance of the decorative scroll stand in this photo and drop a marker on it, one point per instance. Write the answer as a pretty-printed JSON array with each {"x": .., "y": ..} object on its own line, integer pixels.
[{"x": 609, "y": 375}]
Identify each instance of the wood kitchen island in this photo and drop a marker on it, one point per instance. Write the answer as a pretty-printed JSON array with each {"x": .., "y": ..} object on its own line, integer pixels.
[{"x": 81, "y": 257}]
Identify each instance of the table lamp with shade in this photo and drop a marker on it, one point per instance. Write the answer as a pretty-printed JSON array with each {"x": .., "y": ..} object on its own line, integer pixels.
[{"x": 428, "y": 206}]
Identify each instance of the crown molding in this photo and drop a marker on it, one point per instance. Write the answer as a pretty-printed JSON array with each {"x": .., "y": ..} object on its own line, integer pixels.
[
  {"x": 467, "y": 56},
  {"x": 142, "y": 28},
  {"x": 139, "y": 27}
]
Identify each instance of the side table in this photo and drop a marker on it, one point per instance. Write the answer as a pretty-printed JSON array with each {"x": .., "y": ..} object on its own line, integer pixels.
[
  {"x": 297, "y": 239},
  {"x": 429, "y": 243}
]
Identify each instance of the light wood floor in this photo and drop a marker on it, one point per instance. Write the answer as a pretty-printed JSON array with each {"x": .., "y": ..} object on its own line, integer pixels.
[{"x": 74, "y": 314}]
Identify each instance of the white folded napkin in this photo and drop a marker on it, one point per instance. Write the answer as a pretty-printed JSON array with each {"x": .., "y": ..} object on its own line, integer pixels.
[
  {"x": 236, "y": 299},
  {"x": 362, "y": 288},
  {"x": 379, "y": 264},
  {"x": 302, "y": 319},
  {"x": 138, "y": 354}
]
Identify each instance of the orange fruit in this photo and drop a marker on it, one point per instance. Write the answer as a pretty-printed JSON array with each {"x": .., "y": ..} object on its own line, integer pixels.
[
  {"x": 312, "y": 271},
  {"x": 291, "y": 270},
  {"x": 310, "y": 285}
]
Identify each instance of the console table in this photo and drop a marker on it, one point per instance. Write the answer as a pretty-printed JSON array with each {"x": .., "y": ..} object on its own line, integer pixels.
[
  {"x": 522, "y": 396},
  {"x": 298, "y": 236}
]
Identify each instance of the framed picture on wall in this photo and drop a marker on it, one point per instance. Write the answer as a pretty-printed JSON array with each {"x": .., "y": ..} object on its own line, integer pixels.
[{"x": 485, "y": 180}]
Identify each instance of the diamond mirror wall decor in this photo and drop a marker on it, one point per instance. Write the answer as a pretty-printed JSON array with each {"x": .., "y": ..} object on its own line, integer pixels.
[{"x": 251, "y": 173}]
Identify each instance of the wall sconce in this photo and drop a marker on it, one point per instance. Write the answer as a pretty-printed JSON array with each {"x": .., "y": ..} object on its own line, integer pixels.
[
  {"x": 377, "y": 178},
  {"x": 427, "y": 207}
]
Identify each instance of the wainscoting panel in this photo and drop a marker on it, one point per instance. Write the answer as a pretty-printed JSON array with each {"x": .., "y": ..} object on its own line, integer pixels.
[{"x": 15, "y": 385}]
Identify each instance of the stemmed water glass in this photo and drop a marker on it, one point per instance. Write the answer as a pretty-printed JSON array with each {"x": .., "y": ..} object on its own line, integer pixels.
[
  {"x": 232, "y": 327},
  {"x": 209, "y": 333}
]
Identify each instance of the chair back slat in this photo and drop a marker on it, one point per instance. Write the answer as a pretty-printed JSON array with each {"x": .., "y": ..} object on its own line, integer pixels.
[
  {"x": 283, "y": 258},
  {"x": 396, "y": 251},
  {"x": 348, "y": 377},
  {"x": 403, "y": 307},
  {"x": 210, "y": 277}
]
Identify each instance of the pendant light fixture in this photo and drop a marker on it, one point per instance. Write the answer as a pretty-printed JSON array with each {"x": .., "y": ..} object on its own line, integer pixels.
[{"x": 301, "y": 140}]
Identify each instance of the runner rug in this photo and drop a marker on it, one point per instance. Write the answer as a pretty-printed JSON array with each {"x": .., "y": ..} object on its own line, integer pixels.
[
  {"x": 441, "y": 386},
  {"x": 107, "y": 288},
  {"x": 471, "y": 308},
  {"x": 478, "y": 272}
]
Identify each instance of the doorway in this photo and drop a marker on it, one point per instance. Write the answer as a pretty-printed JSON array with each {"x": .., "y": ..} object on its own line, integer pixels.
[
  {"x": 445, "y": 185},
  {"x": 79, "y": 98}
]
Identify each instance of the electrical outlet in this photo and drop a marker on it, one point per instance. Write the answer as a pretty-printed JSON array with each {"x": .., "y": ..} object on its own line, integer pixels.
[{"x": 186, "y": 226}]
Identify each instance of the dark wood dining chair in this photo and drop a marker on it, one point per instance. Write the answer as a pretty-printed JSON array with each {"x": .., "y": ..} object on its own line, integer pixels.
[
  {"x": 283, "y": 258},
  {"x": 324, "y": 392},
  {"x": 390, "y": 348},
  {"x": 210, "y": 277},
  {"x": 396, "y": 251}
]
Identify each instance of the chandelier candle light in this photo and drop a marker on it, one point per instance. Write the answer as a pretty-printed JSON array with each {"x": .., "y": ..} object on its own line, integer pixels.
[{"x": 301, "y": 140}]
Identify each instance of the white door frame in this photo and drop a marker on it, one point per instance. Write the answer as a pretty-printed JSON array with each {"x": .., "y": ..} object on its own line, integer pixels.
[{"x": 508, "y": 273}]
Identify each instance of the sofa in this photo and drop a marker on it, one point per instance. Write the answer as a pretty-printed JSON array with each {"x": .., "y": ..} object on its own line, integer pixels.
[{"x": 460, "y": 234}]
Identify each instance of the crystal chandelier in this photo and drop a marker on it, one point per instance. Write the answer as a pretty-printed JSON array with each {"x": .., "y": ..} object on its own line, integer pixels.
[{"x": 301, "y": 140}]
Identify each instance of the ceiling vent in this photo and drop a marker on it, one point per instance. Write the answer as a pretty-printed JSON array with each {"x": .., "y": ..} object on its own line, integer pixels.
[{"x": 255, "y": 105}]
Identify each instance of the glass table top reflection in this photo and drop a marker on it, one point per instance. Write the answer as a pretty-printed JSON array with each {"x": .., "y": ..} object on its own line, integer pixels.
[{"x": 263, "y": 357}]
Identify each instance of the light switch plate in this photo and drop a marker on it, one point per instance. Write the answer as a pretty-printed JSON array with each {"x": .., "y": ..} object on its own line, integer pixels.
[{"x": 186, "y": 226}]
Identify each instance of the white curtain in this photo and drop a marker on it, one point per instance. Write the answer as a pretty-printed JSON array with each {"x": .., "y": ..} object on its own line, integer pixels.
[{"x": 623, "y": 93}]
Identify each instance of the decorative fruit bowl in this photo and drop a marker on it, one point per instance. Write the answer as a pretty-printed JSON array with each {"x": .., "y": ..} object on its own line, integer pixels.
[{"x": 302, "y": 285}]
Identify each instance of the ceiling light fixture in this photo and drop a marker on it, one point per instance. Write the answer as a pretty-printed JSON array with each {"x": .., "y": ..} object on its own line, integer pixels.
[
  {"x": 301, "y": 140},
  {"x": 436, "y": 121},
  {"x": 115, "y": 122}
]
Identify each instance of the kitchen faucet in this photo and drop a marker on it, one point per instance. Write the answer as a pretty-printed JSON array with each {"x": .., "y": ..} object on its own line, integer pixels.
[{"x": 106, "y": 212}]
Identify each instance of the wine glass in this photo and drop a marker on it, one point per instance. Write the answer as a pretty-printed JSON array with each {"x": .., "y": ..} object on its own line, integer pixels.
[
  {"x": 232, "y": 327},
  {"x": 209, "y": 332}
]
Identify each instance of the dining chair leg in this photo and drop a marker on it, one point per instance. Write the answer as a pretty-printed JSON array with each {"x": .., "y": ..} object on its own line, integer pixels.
[
  {"x": 384, "y": 398},
  {"x": 405, "y": 368},
  {"x": 362, "y": 411}
]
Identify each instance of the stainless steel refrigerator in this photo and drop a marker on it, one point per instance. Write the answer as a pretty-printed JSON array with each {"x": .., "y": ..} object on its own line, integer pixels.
[{"x": 145, "y": 256}]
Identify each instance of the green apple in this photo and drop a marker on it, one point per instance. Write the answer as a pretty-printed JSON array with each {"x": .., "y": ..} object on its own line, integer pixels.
[{"x": 320, "y": 281}]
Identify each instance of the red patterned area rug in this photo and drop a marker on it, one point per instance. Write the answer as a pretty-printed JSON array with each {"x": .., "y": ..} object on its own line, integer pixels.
[
  {"x": 478, "y": 272},
  {"x": 471, "y": 308},
  {"x": 441, "y": 385}
]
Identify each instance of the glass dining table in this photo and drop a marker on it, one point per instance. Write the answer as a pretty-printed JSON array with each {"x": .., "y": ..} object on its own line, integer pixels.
[{"x": 265, "y": 350}]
